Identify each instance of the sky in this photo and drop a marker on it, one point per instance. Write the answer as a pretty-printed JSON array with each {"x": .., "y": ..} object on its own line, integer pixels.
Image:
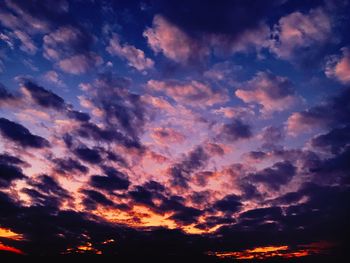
[{"x": 214, "y": 130}]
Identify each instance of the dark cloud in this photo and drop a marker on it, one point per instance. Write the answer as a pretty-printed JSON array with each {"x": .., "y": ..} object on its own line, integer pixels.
[
  {"x": 79, "y": 116},
  {"x": 43, "y": 97},
  {"x": 144, "y": 194},
  {"x": 21, "y": 135},
  {"x": 275, "y": 176},
  {"x": 334, "y": 169},
  {"x": 235, "y": 130},
  {"x": 141, "y": 195},
  {"x": 181, "y": 172},
  {"x": 9, "y": 173},
  {"x": 114, "y": 180},
  {"x": 124, "y": 110},
  {"x": 69, "y": 166},
  {"x": 334, "y": 112},
  {"x": 93, "y": 198},
  {"x": 10, "y": 159},
  {"x": 88, "y": 155},
  {"x": 92, "y": 131},
  {"x": 5, "y": 95},
  {"x": 270, "y": 213},
  {"x": 228, "y": 204},
  {"x": 47, "y": 184},
  {"x": 46, "y": 191},
  {"x": 334, "y": 140},
  {"x": 186, "y": 215}
]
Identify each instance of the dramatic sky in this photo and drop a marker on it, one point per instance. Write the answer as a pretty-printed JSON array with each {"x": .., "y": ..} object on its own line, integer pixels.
[{"x": 210, "y": 129}]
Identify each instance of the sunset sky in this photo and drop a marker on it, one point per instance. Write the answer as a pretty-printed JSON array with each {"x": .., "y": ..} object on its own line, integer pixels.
[{"x": 216, "y": 130}]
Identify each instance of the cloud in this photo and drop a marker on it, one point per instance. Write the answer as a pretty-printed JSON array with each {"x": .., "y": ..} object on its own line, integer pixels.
[
  {"x": 28, "y": 44},
  {"x": 298, "y": 31},
  {"x": 123, "y": 110},
  {"x": 235, "y": 130},
  {"x": 78, "y": 115},
  {"x": 274, "y": 177},
  {"x": 65, "y": 42},
  {"x": 273, "y": 93},
  {"x": 43, "y": 97},
  {"x": 19, "y": 134},
  {"x": 80, "y": 64},
  {"x": 136, "y": 58},
  {"x": 180, "y": 172},
  {"x": 189, "y": 92},
  {"x": 6, "y": 97},
  {"x": 338, "y": 67},
  {"x": 92, "y": 198},
  {"x": 165, "y": 136},
  {"x": 187, "y": 215},
  {"x": 228, "y": 204},
  {"x": 235, "y": 112},
  {"x": 9, "y": 173},
  {"x": 88, "y": 155},
  {"x": 332, "y": 112},
  {"x": 114, "y": 180},
  {"x": 271, "y": 136},
  {"x": 53, "y": 77},
  {"x": 70, "y": 47},
  {"x": 45, "y": 191},
  {"x": 34, "y": 17},
  {"x": 69, "y": 166},
  {"x": 269, "y": 213},
  {"x": 175, "y": 44},
  {"x": 334, "y": 140}
]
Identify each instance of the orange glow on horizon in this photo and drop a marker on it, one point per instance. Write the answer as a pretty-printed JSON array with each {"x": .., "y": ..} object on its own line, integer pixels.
[
  {"x": 144, "y": 217},
  {"x": 8, "y": 233},
  {"x": 10, "y": 249},
  {"x": 276, "y": 251}
]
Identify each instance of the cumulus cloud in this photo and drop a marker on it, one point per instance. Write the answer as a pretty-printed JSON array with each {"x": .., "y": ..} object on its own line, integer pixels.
[
  {"x": 274, "y": 177},
  {"x": 193, "y": 92},
  {"x": 332, "y": 112},
  {"x": 338, "y": 67},
  {"x": 298, "y": 31},
  {"x": 175, "y": 44},
  {"x": 136, "y": 58},
  {"x": 273, "y": 93},
  {"x": 235, "y": 130}
]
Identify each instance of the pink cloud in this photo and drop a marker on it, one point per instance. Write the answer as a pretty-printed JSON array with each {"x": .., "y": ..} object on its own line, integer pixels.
[
  {"x": 298, "y": 30},
  {"x": 193, "y": 92},
  {"x": 175, "y": 44},
  {"x": 28, "y": 45},
  {"x": 53, "y": 77},
  {"x": 235, "y": 112},
  {"x": 80, "y": 64},
  {"x": 249, "y": 40},
  {"x": 273, "y": 93},
  {"x": 62, "y": 43},
  {"x": 338, "y": 67},
  {"x": 136, "y": 58},
  {"x": 299, "y": 123},
  {"x": 165, "y": 136}
]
